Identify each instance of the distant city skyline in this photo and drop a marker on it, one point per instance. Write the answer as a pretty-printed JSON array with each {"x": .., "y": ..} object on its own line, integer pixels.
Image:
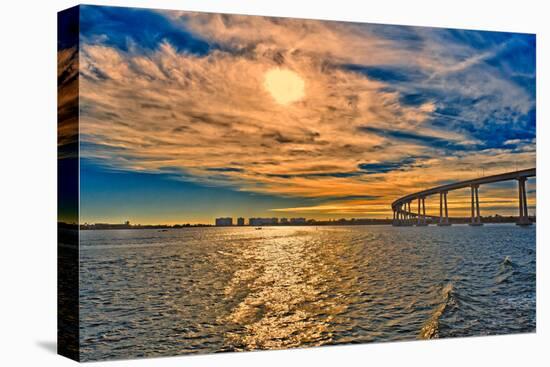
[
  {"x": 188, "y": 117},
  {"x": 283, "y": 221}
]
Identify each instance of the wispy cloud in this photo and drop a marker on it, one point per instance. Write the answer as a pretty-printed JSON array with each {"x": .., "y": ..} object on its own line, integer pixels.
[{"x": 387, "y": 110}]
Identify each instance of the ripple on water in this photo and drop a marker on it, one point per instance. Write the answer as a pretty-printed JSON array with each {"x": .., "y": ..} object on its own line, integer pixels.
[{"x": 203, "y": 290}]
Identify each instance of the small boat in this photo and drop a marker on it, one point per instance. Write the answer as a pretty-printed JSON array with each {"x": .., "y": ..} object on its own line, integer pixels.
[{"x": 258, "y": 227}]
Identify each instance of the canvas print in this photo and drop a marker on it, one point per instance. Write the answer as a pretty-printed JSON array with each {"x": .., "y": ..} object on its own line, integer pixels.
[{"x": 235, "y": 183}]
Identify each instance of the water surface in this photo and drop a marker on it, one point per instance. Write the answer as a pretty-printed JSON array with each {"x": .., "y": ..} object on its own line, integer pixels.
[{"x": 199, "y": 290}]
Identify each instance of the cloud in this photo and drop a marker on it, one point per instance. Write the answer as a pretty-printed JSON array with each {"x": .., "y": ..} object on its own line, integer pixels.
[
  {"x": 382, "y": 104},
  {"x": 67, "y": 102},
  {"x": 384, "y": 167},
  {"x": 135, "y": 29}
]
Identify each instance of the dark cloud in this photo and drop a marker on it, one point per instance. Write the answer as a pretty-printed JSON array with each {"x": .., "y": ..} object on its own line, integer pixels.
[
  {"x": 389, "y": 74},
  {"x": 224, "y": 169},
  {"x": 317, "y": 175},
  {"x": 425, "y": 140},
  {"x": 388, "y": 166}
]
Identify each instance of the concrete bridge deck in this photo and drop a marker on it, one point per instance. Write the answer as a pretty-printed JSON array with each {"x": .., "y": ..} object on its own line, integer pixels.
[{"x": 402, "y": 214}]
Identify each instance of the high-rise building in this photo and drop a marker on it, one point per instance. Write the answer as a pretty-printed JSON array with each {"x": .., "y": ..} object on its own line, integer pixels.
[
  {"x": 240, "y": 221},
  {"x": 221, "y": 222},
  {"x": 263, "y": 221}
]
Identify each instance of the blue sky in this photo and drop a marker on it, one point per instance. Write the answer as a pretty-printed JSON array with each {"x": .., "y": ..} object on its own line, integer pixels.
[
  {"x": 161, "y": 198},
  {"x": 178, "y": 123}
]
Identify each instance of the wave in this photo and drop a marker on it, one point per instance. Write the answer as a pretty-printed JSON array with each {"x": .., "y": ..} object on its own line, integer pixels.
[
  {"x": 508, "y": 262},
  {"x": 507, "y": 271},
  {"x": 430, "y": 330}
]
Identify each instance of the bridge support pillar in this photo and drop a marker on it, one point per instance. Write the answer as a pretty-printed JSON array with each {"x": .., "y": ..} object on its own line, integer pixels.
[
  {"x": 523, "y": 211},
  {"x": 476, "y": 217},
  {"x": 409, "y": 214},
  {"x": 424, "y": 211},
  {"x": 418, "y": 213},
  {"x": 421, "y": 216},
  {"x": 443, "y": 210},
  {"x": 396, "y": 216}
]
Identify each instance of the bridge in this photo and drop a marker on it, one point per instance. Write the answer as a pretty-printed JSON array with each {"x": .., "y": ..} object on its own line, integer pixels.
[{"x": 403, "y": 216}]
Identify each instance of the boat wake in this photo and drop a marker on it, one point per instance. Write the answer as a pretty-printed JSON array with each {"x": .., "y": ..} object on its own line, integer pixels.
[
  {"x": 507, "y": 271},
  {"x": 430, "y": 330}
]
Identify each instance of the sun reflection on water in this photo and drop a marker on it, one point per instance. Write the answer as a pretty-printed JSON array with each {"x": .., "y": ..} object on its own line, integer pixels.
[
  {"x": 145, "y": 293},
  {"x": 288, "y": 302}
]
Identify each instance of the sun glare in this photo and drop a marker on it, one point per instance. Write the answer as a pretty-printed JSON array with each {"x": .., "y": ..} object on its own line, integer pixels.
[{"x": 285, "y": 86}]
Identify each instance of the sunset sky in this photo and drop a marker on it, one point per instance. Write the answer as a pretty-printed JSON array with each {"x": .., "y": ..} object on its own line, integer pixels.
[{"x": 188, "y": 116}]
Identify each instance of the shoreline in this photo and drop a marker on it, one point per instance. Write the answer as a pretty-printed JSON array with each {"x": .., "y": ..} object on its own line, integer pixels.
[{"x": 383, "y": 222}]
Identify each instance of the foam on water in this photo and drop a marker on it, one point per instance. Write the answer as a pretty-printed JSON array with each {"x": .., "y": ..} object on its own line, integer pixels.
[{"x": 431, "y": 329}]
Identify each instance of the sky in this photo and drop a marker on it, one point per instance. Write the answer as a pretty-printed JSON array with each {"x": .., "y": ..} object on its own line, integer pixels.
[{"x": 188, "y": 116}]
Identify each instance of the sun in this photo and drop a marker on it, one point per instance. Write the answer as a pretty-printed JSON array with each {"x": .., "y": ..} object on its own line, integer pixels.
[{"x": 284, "y": 85}]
